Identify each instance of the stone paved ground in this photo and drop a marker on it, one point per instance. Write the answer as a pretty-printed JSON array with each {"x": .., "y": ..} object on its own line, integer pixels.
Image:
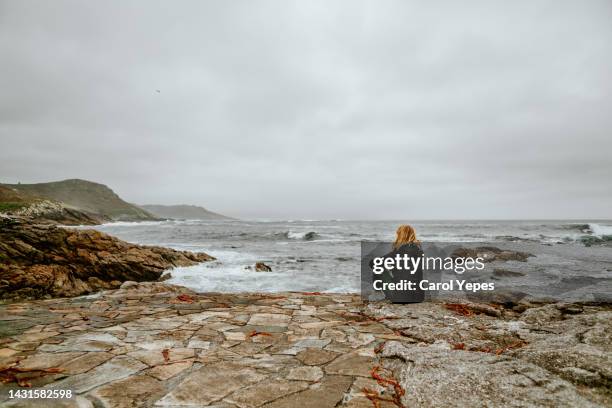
[{"x": 161, "y": 346}]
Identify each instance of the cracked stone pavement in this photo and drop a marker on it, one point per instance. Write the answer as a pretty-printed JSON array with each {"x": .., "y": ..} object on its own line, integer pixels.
[{"x": 160, "y": 345}]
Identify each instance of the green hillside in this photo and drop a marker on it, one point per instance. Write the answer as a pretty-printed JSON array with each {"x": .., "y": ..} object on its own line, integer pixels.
[
  {"x": 86, "y": 196},
  {"x": 11, "y": 200},
  {"x": 184, "y": 212}
]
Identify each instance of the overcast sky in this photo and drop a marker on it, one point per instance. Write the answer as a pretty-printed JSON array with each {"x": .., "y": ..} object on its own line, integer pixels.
[{"x": 316, "y": 109}]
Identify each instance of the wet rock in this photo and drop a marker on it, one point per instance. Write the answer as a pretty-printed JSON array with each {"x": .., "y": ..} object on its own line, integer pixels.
[
  {"x": 505, "y": 297},
  {"x": 262, "y": 267},
  {"x": 149, "y": 288},
  {"x": 46, "y": 260},
  {"x": 309, "y": 236},
  {"x": 505, "y": 273},
  {"x": 541, "y": 315},
  {"x": 490, "y": 254},
  {"x": 590, "y": 240},
  {"x": 166, "y": 276}
]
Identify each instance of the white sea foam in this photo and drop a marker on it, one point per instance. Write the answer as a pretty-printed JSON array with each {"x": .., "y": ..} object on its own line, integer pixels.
[
  {"x": 296, "y": 235},
  {"x": 327, "y": 261},
  {"x": 222, "y": 277},
  {"x": 600, "y": 230},
  {"x": 134, "y": 223}
]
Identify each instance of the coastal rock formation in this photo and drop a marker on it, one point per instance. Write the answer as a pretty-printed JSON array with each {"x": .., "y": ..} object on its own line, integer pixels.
[
  {"x": 19, "y": 204},
  {"x": 45, "y": 260},
  {"x": 262, "y": 267},
  {"x": 84, "y": 196},
  {"x": 49, "y": 212},
  {"x": 590, "y": 240},
  {"x": 157, "y": 345},
  {"x": 490, "y": 254}
]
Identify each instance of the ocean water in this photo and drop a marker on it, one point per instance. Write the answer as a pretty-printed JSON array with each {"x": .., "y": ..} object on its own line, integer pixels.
[{"x": 325, "y": 255}]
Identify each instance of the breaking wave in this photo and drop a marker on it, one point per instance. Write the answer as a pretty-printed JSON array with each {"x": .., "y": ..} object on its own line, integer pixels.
[
  {"x": 600, "y": 230},
  {"x": 304, "y": 236}
]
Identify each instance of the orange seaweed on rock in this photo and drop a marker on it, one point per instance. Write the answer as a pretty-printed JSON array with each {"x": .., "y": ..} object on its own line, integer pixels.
[
  {"x": 398, "y": 391},
  {"x": 258, "y": 333},
  {"x": 11, "y": 374},
  {"x": 460, "y": 308},
  {"x": 185, "y": 298},
  {"x": 166, "y": 355}
]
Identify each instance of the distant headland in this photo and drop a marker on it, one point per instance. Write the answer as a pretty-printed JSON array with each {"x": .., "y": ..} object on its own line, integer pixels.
[{"x": 76, "y": 201}]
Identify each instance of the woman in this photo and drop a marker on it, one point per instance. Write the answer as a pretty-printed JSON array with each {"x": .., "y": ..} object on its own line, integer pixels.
[{"x": 406, "y": 244}]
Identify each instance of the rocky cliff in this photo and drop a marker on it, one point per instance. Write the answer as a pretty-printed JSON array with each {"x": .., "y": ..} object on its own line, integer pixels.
[
  {"x": 44, "y": 260},
  {"x": 84, "y": 196},
  {"x": 40, "y": 210}
]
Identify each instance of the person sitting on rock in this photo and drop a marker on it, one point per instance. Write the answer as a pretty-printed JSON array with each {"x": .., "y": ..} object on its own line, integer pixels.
[{"x": 406, "y": 244}]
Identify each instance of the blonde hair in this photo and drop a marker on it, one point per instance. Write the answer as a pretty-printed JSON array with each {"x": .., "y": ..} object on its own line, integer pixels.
[{"x": 405, "y": 234}]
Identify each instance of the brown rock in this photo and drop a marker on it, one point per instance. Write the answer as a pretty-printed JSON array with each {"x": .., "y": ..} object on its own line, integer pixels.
[
  {"x": 165, "y": 371},
  {"x": 85, "y": 363},
  {"x": 131, "y": 392},
  {"x": 351, "y": 364},
  {"x": 210, "y": 383},
  {"x": 315, "y": 356},
  {"x": 490, "y": 254},
  {"x": 42, "y": 260},
  {"x": 262, "y": 267},
  {"x": 264, "y": 392},
  {"x": 327, "y": 394},
  {"x": 305, "y": 373}
]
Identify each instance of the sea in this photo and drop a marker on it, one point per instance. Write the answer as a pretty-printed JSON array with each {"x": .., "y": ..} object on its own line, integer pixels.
[{"x": 324, "y": 255}]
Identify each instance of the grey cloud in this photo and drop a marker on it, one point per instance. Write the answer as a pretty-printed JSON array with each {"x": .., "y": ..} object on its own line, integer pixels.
[{"x": 287, "y": 109}]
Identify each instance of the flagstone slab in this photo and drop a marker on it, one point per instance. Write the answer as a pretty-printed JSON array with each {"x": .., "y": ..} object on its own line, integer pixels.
[
  {"x": 305, "y": 373},
  {"x": 327, "y": 394},
  {"x": 291, "y": 350},
  {"x": 85, "y": 362},
  {"x": 159, "y": 356},
  {"x": 210, "y": 384},
  {"x": 132, "y": 392},
  {"x": 259, "y": 394},
  {"x": 314, "y": 356},
  {"x": 269, "y": 319},
  {"x": 165, "y": 371},
  {"x": 351, "y": 364},
  {"x": 42, "y": 361},
  {"x": 115, "y": 369}
]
